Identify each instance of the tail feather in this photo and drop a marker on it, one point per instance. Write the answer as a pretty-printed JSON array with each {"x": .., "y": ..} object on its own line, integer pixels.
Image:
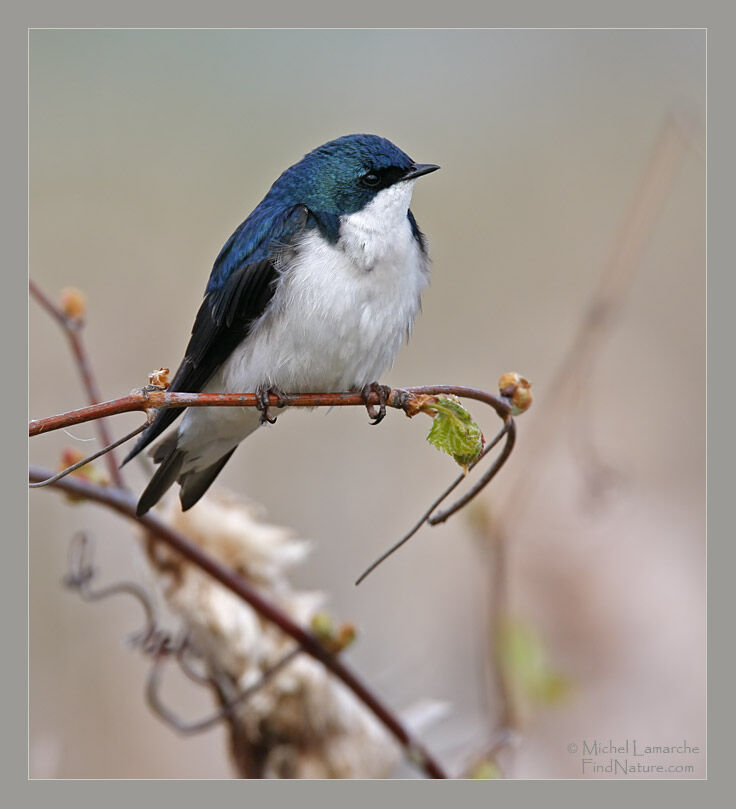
[
  {"x": 164, "y": 448},
  {"x": 195, "y": 484},
  {"x": 171, "y": 460},
  {"x": 164, "y": 418}
]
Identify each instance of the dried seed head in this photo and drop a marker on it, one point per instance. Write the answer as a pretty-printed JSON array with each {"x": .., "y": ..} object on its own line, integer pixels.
[{"x": 303, "y": 722}]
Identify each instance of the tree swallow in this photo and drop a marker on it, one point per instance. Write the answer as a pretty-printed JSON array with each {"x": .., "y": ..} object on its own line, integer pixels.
[{"x": 315, "y": 291}]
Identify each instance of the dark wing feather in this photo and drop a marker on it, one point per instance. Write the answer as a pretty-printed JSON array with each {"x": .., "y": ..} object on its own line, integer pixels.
[
  {"x": 418, "y": 235},
  {"x": 223, "y": 321},
  {"x": 225, "y": 317}
]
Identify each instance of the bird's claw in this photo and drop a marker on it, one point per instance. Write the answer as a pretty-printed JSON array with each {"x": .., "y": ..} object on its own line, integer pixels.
[
  {"x": 383, "y": 392},
  {"x": 263, "y": 404}
]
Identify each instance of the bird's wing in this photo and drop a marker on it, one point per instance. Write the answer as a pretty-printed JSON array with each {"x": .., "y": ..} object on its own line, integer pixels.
[
  {"x": 241, "y": 286},
  {"x": 418, "y": 235}
]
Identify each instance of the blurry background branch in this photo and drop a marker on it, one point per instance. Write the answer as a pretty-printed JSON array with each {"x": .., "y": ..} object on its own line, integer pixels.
[
  {"x": 513, "y": 644},
  {"x": 568, "y": 399},
  {"x": 156, "y": 642},
  {"x": 556, "y": 131},
  {"x": 70, "y": 317},
  {"x": 519, "y": 671},
  {"x": 123, "y": 503},
  {"x": 514, "y": 398}
]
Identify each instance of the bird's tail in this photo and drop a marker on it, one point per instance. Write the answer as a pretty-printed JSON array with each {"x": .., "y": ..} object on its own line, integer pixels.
[{"x": 193, "y": 484}]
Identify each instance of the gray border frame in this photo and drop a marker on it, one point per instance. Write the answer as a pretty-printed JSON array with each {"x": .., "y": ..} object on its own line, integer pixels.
[{"x": 14, "y": 322}]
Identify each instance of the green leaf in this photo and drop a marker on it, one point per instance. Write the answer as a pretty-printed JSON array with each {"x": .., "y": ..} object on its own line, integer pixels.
[
  {"x": 526, "y": 665},
  {"x": 453, "y": 431},
  {"x": 486, "y": 769}
]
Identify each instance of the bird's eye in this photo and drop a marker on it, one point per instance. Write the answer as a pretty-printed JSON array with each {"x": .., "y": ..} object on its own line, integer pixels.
[{"x": 370, "y": 180}]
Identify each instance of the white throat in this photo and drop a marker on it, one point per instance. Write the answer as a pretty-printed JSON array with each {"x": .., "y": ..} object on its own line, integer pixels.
[{"x": 379, "y": 230}]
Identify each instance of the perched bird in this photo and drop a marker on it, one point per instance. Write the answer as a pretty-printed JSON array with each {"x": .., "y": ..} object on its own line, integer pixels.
[{"x": 315, "y": 291}]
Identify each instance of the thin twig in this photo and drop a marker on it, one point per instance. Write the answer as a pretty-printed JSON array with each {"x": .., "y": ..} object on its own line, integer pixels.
[
  {"x": 154, "y": 641},
  {"x": 82, "y": 572},
  {"x": 185, "y": 666},
  {"x": 88, "y": 459},
  {"x": 189, "y": 728},
  {"x": 72, "y": 329},
  {"x": 509, "y": 431},
  {"x": 431, "y": 519},
  {"x": 124, "y": 503}
]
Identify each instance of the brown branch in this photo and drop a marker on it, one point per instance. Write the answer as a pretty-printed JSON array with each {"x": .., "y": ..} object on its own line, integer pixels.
[
  {"x": 72, "y": 328},
  {"x": 410, "y": 400},
  {"x": 124, "y": 503},
  {"x": 143, "y": 399}
]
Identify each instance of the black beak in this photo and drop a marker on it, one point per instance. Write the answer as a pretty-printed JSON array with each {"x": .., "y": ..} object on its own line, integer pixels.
[{"x": 418, "y": 170}]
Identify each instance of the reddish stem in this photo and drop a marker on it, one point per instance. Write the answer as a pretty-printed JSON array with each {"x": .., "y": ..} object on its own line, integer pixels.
[
  {"x": 124, "y": 503},
  {"x": 144, "y": 399},
  {"x": 72, "y": 329}
]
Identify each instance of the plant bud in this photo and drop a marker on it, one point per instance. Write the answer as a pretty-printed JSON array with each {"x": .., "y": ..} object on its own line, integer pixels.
[
  {"x": 159, "y": 378},
  {"x": 517, "y": 389},
  {"x": 73, "y": 303}
]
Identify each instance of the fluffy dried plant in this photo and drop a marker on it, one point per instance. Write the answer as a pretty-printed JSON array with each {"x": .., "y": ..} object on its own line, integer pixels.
[{"x": 302, "y": 722}]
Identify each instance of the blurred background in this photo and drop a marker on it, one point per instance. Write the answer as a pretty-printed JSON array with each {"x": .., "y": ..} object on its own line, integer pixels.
[{"x": 148, "y": 148}]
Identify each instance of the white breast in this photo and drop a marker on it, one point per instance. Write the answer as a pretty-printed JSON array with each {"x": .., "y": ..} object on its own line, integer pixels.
[
  {"x": 341, "y": 311},
  {"x": 336, "y": 322}
]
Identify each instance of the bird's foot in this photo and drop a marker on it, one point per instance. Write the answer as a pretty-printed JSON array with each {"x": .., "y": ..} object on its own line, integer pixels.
[
  {"x": 383, "y": 392},
  {"x": 264, "y": 406}
]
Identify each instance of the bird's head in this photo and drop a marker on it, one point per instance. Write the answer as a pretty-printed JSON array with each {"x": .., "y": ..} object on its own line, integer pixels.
[{"x": 344, "y": 175}]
